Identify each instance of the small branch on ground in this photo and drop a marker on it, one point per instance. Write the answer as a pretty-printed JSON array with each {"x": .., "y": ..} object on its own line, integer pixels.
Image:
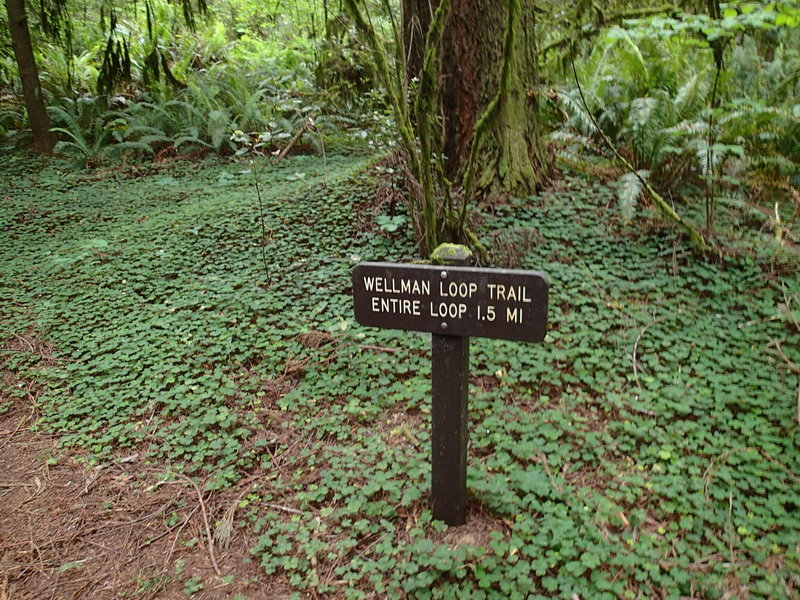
[
  {"x": 204, "y": 512},
  {"x": 287, "y": 509},
  {"x": 177, "y": 537},
  {"x": 378, "y": 348}
]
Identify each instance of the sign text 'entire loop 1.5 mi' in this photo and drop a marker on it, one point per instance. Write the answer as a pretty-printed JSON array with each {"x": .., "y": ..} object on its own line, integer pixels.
[{"x": 462, "y": 301}]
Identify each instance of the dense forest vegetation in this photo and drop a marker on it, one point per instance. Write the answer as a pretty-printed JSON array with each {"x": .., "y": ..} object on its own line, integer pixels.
[
  {"x": 187, "y": 406},
  {"x": 696, "y": 103}
]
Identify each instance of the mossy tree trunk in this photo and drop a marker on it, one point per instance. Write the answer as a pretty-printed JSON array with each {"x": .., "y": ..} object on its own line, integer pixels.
[
  {"x": 417, "y": 15},
  {"x": 488, "y": 77},
  {"x": 43, "y": 138}
]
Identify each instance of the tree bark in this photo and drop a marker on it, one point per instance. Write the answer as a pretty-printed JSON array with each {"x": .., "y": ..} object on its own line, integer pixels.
[
  {"x": 417, "y": 16},
  {"x": 488, "y": 61},
  {"x": 43, "y": 138}
]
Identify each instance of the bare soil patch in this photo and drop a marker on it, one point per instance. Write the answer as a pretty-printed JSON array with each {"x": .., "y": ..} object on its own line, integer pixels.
[{"x": 114, "y": 530}]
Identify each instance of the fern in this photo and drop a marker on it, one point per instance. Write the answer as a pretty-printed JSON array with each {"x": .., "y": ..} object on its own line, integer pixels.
[
  {"x": 219, "y": 125},
  {"x": 647, "y": 96},
  {"x": 629, "y": 189},
  {"x": 641, "y": 112},
  {"x": 577, "y": 117},
  {"x": 190, "y": 136},
  {"x": 566, "y": 138},
  {"x": 691, "y": 97},
  {"x": 10, "y": 119},
  {"x": 86, "y": 143},
  {"x": 774, "y": 163}
]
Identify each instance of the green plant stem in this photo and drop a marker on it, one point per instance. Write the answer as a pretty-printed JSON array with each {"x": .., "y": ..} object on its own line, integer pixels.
[
  {"x": 709, "y": 187},
  {"x": 418, "y": 137},
  {"x": 425, "y": 111},
  {"x": 394, "y": 90},
  {"x": 257, "y": 179}
]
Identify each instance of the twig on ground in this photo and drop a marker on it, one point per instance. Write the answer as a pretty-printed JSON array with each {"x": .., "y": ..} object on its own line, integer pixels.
[
  {"x": 303, "y": 128},
  {"x": 378, "y": 348},
  {"x": 287, "y": 509},
  {"x": 757, "y": 321},
  {"x": 39, "y": 488},
  {"x": 11, "y": 434},
  {"x": 139, "y": 520},
  {"x": 177, "y": 537},
  {"x": 25, "y": 341},
  {"x": 205, "y": 522},
  {"x": 204, "y": 511},
  {"x": 642, "y": 410},
  {"x": 792, "y": 367}
]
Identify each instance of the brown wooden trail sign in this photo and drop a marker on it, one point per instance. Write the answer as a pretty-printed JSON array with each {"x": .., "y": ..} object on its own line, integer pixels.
[
  {"x": 463, "y": 301},
  {"x": 453, "y": 303}
]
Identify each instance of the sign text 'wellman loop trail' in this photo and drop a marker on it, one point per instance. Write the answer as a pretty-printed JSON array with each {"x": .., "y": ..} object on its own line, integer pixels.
[{"x": 462, "y": 301}]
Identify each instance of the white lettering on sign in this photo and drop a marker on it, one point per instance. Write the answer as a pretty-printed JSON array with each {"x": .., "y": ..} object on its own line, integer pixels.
[
  {"x": 508, "y": 293},
  {"x": 437, "y": 309},
  {"x": 383, "y": 285},
  {"x": 396, "y": 306},
  {"x": 513, "y": 315},
  {"x": 486, "y": 314},
  {"x": 449, "y": 310},
  {"x": 457, "y": 290}
]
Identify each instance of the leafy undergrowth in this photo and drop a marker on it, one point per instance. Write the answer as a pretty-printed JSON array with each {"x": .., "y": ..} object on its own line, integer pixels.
[{"x": 648, "y": 449}]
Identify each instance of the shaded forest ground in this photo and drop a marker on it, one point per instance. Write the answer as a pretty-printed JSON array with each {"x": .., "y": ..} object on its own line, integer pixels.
[{"x": 164, "y": 321}]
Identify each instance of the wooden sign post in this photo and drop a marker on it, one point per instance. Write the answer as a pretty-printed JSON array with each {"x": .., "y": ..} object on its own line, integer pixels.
[{"x": 453, "y": 303}]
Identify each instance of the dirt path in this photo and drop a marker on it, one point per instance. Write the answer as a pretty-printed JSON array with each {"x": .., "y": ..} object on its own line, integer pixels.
[{"x": 117, "y": 530}]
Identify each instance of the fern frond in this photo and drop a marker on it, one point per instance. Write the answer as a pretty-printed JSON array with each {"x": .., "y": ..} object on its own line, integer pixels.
[
  {"x": 571, "y": 139},
  {"x": 68, "y": 147},
  {"x": 577, "y": 115},
  {"x": 641, "y": 111},
  {"x": 691, "y": 97},
  {"x": 189, "y": 139},
  {"x": 76, "y": 137},
  {"x": 143, "y": 130},
  {"x": 709, "y": 158},
  {"x": 64, "y": 117},
  {"x": 629, "y": 188},
  {"x": 632, "y": 60},
  {"x": 138, "y": 146},
  {"x": 151, "y": 140},
  {"x": 775, "y": 163}
]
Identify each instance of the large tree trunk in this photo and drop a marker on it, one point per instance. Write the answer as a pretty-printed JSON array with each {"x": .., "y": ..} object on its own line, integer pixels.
[
  {"x": 482, "y": 41},
  {"x": 43, "y": 138},
  {"x": 417, "y": 15}
]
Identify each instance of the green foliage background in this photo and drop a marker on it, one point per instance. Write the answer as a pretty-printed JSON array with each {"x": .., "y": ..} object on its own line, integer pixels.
[
  {"x": 648, "y": 449},
  {"x": 588, "y": 475}
]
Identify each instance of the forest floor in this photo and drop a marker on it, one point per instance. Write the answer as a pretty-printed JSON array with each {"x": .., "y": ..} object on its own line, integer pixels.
[
  {"x": 68, "y": 531},
  {"x": 187, "y": 407}
]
